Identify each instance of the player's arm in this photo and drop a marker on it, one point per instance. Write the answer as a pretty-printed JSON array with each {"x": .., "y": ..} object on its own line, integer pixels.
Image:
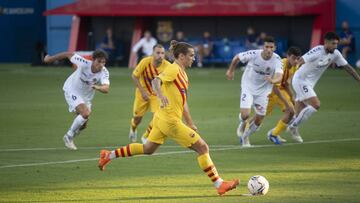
[
  {"x": 187, "y": 117},
  {"x": 231, "y": 70},
  {"x": 289, "y": 90},
  {"x": 352, "y": 71},
  {"x": 143, "y": 92},
  {"x": 102, "y": 88},
  {"x": 300, "y": 61},
  {"x": 274, "y": 80},
  {"x": 59, "y": 56},
  {"x": 156, "y": 85},
  {"x": 277, "y": 91}
]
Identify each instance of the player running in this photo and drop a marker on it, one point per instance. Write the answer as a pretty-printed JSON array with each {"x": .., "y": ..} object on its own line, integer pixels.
[
  {"x": 314, "y": 63},
  {"x": 145, "y": 98},
  {"x": 79, "y": 88},
  {"x": 171, "y": 88},
  {"x": 283, "y": 97},
  {"x": 263, "y": 69}
]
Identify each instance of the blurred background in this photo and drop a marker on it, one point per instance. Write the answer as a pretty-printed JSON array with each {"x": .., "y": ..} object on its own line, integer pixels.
[{"x": 217, "y": 28}]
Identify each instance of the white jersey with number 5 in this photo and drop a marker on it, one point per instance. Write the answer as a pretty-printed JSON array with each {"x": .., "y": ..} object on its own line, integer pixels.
[
  {"x": 253, "y": 78},
  {"x": 81, "y": 80},
  {"x": 316, "y": 62}
]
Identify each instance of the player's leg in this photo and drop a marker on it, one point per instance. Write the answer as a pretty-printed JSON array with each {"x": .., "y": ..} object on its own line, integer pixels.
[
  {"x": 154, "y": 106},
  {"x": 156, "y": 138},
  {"x": 246, "y": 100},
  {"x": 313, "y": 104},
  {"x": 139, "y": 109},
  {"x": 260, "y": 106},
  {"x": 147, "y": 132},
  {"x": 289, "y": 112},
  {"x": 79, "y": 106},
  {"x": 187, "y": 137}
]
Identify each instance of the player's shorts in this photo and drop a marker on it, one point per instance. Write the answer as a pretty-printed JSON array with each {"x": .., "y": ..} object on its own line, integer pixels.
[
  {"x": 177, "y": 131},
  {"x": 275, "y": 100},
  {"x": 141, "y": 106},
  {"x": 259, "y": 102},
  {"x": 303, "y": 89},
  {"x": 73, "y": 99}
]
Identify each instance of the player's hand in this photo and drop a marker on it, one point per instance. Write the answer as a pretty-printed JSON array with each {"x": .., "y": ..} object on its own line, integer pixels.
[
  {"x": 145, "y": 96},
  {"x": 164, "y": 101},
  {"x": 268, "y": 78},
  {"x": 47, "y": 59},
  {"x": 95, "y": 87},
  {"x": 230, "y": 75}
]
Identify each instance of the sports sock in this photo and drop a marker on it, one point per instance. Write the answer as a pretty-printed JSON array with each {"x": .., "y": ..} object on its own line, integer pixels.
[
  {"x": 253, "y": 127},
  {"x": 279, "y": 128},
  {"x": 128, "y": 150},
  {"x": 76, "y": 125},
  {"x": 209, "y": 168},
  {"x": 148, "y": 130},
  {"x": 303, "y": 115}
]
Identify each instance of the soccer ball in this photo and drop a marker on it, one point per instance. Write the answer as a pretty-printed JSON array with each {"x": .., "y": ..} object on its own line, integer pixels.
[{"x": 258, "y": 185}]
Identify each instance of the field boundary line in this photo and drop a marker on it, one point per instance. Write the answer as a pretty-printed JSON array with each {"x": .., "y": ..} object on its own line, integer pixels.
[{"x": 228, "y": 147}]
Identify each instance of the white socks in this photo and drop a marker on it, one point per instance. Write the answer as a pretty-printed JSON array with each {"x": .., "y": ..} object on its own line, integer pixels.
[
  {"x": 218, "y": 182},
  {"x": 303, "y": 115},
  {"x": 253, "y": 127},
  {"x": 77, "y": 123},
  {"x": 112, "y": 154}
]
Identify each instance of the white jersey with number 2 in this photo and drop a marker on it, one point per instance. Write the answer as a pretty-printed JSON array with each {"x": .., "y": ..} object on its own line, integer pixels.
[{"x": 253, "y": 78}]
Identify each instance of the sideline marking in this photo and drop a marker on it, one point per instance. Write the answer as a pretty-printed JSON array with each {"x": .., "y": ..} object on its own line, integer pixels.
[{"x": 225, "y": 148}]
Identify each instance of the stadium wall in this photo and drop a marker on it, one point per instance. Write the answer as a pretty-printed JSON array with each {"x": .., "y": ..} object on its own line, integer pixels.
[{"x": 22, "y": 28}]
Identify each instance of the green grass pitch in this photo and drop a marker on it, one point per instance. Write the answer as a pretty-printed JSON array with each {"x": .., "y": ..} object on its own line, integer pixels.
[{"x": 36, "y": 167}]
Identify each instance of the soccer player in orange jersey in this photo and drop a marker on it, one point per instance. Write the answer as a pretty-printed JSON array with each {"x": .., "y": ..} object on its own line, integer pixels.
[
  {"x": 283, "y": 97},
  {"x": 171, "y": 88},
  {"x": 145, "y": 98}
]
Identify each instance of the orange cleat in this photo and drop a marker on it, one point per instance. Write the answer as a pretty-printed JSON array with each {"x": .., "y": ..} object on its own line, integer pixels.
[
  {"x": 104, "y": 159},
  {"x": 227, "y": 186}
]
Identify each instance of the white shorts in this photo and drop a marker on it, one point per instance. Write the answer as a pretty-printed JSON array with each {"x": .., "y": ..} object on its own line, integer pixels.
[
  {"x": 303, "y": 89},
  {"x": 73, "y": 99},
  {"x": 259, "y": 102}
]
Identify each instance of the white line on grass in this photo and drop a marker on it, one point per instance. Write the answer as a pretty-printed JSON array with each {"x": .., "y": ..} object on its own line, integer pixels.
[{"x": 225, "y": 148}]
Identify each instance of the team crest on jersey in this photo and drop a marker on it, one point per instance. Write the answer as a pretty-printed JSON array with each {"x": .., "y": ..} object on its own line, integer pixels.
[{"x": 192, "y": 135}]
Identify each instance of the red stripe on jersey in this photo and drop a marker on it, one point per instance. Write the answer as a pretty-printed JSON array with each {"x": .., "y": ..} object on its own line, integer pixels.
[
  {"x": 157, "y": 73},
  {"x": 150, "y": 71},
  {"x": 183, "y": 75},
  {"x": 182, "y": 81},
  {"x": 211, "y": 174},
  {"x": 128, "y": 150},
  {"x": 208, "y": 168},
  {"x": 146, "y": 82},
  {"x": 122, "y": 152},
  {"x": 178, "y": 86}
]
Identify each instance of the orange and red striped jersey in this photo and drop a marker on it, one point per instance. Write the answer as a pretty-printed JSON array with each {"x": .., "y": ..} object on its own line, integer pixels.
[
  {"x": 146, "y": 72},
  {"x": 288, "y": 73},
  {"x": 174, "y": 87}
]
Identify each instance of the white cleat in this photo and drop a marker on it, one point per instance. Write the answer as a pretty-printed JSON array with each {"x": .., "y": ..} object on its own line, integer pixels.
[
  {"x": 132, "y": 135},
  {"x": 281, "y": 139},
  {"x": 69, "y": 142},
  {"x": 295, "y": 134},
  {"x": 244, "y": 141},
  {"x": 240, "y": 129}
]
